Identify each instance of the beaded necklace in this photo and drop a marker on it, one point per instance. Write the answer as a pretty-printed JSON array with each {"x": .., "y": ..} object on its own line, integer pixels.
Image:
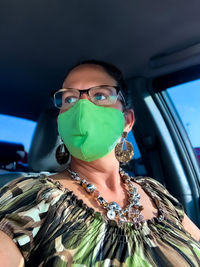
[{"x": 131, "y": 213}]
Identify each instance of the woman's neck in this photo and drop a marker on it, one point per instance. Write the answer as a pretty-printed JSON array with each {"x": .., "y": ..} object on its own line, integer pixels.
[{"x": 104, "y": 172}]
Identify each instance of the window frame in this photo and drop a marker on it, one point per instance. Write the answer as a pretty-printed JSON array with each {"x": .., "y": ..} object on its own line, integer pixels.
[{"x": 157, "y": 88}]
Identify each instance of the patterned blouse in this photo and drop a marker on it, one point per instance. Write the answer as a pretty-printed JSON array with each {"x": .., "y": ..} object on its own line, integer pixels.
[{"x": 51, "y": 227}]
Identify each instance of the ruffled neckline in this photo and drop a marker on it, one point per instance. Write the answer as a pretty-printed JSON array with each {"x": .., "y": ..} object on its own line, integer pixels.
[{"x": 142, "y": 181}]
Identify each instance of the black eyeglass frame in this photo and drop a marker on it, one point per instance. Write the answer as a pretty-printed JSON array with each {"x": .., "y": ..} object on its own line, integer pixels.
[{"x": 86, "y": 91}]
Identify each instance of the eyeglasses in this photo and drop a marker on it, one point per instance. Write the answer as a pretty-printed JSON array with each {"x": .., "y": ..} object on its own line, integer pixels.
[{"x": 103, "y": 95}]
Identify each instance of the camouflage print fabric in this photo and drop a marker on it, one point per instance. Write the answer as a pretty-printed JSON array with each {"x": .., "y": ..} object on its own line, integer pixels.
[{"x": 52, "y": 227}]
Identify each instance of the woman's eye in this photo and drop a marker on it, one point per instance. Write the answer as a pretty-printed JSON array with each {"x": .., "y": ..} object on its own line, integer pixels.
[
  {"x": 100, "y": 97},
  {"x": 70, "y": 99}
]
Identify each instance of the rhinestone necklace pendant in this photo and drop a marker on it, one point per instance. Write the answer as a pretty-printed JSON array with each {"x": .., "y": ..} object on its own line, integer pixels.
[
  {"x": 111, "y": 214},
  {"x": 114, "y": 206},
  {"x": 113, "y": 210}
]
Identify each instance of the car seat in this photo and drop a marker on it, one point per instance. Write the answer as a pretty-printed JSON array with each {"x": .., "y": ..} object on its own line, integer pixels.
[{"x": 41, "y": 157}]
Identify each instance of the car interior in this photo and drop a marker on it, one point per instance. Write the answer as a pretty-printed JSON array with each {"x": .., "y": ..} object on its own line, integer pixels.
[{"x": 155, "y": 44}]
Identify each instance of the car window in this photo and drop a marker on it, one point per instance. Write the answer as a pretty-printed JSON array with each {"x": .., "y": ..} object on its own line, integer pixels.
[
  {"x": 15, "y": 139},
  {"x": 186, "y": 99},
  {"x": 17, "y": 130}
]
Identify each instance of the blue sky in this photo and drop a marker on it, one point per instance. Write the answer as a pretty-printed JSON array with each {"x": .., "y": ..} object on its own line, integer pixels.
[
  {"x": 186, "y": 98},
  {"x": 16, "y": 130}
]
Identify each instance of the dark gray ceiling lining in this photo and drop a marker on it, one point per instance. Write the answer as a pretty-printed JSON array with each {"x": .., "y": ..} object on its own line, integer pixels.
[{"x": 40, "y": 40}]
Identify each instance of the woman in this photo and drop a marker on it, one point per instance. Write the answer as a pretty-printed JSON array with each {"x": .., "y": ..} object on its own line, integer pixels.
[{"x": 93, "y": 214}]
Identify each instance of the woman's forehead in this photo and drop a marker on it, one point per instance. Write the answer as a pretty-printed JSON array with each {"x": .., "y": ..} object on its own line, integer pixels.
[{"x": 87, "y": 75}]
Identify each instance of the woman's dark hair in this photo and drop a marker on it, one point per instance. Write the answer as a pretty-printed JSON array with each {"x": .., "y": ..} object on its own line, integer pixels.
[{"x": 114, "y": 72}]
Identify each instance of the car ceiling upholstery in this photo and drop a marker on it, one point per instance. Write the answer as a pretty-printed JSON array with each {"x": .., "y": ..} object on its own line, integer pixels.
[{"x": 40, "y": 40}]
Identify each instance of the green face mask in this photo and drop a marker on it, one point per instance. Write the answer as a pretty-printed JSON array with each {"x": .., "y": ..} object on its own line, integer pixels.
[{"x": 90, "y": 131}]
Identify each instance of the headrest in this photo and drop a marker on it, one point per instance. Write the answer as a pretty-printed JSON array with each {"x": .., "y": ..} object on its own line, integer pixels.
[{"x": 44, "y": 144}]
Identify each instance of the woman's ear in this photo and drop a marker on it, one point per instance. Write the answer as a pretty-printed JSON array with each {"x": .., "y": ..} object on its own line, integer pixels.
[{"x": 129, "y": 120}]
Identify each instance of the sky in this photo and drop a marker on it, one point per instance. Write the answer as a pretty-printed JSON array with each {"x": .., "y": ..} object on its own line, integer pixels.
[
  {"x": 186, "y": 98},
  {"x": 16, "y": 130}
]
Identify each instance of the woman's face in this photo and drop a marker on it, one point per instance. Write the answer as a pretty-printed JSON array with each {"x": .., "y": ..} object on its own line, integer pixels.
[{"x": 87, "y": 76}]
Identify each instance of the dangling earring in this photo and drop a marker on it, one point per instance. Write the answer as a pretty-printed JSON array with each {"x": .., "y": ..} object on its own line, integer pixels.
[
  {"x": 124, "y": 150},
  {"x": 62, "y": 153}
]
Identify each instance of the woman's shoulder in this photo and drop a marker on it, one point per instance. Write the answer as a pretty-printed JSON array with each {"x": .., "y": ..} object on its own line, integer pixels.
[
  {"x": 27, "y": 191},
  {"x": 171, "y": 204},
  {"x": 29, "y": 182},
  {"x": 25, "y": 204},
  {"x": 152, "y": 184}
]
